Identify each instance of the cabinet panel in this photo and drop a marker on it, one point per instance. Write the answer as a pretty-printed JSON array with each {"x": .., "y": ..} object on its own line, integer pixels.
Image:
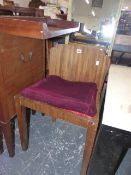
[
  {"x": 22, "y": 62},
  {"x": 19, "y": 55}
]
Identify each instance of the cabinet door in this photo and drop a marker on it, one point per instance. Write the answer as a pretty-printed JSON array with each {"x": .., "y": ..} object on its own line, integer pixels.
[
  {"x": 22, "y": 62},
  {"x": 19, "y": 56}
]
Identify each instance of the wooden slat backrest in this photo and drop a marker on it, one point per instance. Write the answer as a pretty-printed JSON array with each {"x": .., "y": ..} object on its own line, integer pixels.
[{"x": 77, "y": 62}]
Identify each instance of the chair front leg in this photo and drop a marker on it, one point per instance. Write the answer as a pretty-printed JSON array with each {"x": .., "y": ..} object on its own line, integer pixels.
[
  {"x": 22, "y": 123},
  {"x": 89, "y": 143}
]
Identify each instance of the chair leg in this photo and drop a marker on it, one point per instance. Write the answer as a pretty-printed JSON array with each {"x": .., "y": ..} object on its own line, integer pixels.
[
  {"x": 22, "y": 124},
  {"x": 8, "y": 133},
  {"x": 89, "y": 143},
  {"x": 53, "y": 120},
  {"x": 1, "y": 141},
  {"x": 33, "y": 112}
]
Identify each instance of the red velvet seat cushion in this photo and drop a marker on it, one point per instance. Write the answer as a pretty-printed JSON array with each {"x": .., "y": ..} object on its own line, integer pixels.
[{"x": 76, "y": 96}]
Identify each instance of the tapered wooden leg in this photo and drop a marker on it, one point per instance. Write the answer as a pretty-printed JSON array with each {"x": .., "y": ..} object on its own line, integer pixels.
[
  {"x": 8, "y": 133},
  {"x": 28, "y": 114},
  {"x": 53, "y": 120},
  {"x": 33, "y": 112},
  {"x": 1, "y": 141},
  {"x": 22, "y": 123},
  {"x": 90, "y": 138}
]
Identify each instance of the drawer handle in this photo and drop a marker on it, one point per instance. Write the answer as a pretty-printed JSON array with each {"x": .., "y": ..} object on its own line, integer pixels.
[
  {"x": 30, "y": 55},
  {"x": 24, "y": 58}
]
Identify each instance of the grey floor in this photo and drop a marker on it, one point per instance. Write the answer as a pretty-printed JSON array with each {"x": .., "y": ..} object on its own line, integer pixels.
[{"x": 54, "y": 149}]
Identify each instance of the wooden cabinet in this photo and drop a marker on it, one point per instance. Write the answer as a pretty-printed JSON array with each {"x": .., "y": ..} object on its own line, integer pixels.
[
  {"x": 21, "y": 11},
  {"x": 21, "y": 64}
]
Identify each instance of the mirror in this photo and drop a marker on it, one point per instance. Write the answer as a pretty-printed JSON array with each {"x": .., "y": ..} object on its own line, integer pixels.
[{"x": 98, "y": 18}]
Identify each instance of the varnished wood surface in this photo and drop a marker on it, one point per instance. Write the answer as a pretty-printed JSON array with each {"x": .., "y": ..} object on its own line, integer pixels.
[
  {"x": 22, "y": 62},
  {"x": 43, "y": 28},
  {"x": 24, "y": 28},
  {"x": 57, "y": 112},
  {"x": 16, "y": 73},
  {"x": 74, "y": 62},
  {"x": 22, "y": 11},
  {"x": 85, "y": 69},
  {"x": 61, "y": 23},
  {"x": 29, "y": 18}
]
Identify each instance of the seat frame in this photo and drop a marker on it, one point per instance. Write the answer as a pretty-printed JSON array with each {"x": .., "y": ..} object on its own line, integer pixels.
[{"x": 62, "y": 65}]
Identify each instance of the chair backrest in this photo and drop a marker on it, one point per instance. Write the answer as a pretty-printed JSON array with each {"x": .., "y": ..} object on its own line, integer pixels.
[{"x": 77, "y": 62}]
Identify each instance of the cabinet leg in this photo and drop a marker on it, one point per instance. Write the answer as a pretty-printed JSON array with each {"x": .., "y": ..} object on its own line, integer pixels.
[
  {"x": 1, "y": 141},
  {"x": 33, "y": 112},
  {"x": 8, "y": 132}
]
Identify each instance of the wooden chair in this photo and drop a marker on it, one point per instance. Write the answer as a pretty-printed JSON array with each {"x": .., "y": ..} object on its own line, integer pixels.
[{"x": 76, "y": 63}]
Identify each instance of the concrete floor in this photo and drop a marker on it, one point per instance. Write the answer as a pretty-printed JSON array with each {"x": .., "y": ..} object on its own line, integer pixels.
[{"x": 54, "y": 149}]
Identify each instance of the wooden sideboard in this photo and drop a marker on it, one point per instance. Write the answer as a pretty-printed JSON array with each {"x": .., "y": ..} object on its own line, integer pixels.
[
  {"x": 23, "y": 50},
  {"x": 21, "y": 11}
]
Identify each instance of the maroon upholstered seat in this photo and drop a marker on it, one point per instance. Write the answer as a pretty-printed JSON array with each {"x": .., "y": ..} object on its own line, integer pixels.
[{"x": 76, "y": 96}]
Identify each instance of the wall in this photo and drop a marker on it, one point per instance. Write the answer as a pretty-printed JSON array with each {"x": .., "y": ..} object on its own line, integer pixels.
[
  {"x": 82, "y": 12},
  {"x": 24, "y": 3}
]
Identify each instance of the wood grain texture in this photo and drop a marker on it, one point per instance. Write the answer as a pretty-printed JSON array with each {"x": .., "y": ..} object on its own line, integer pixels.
[
  {"x": 22, "y": 11},
  {"x": 21, "y": 27},
  {"x": 39, "y": 28},
  {"x": 16, "y": 73},
  {"x": 69, "y": 64},
  {"x": 74, "y": 62},
  {"x": 22, "y": 62},
  {"x": 9, "y": 134}
]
